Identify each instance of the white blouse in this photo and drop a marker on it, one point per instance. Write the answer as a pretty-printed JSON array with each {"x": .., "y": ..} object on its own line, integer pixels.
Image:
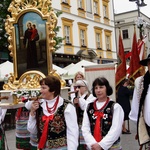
[
  {"x": 135, "y": 104},
  {"x": 83, "y": 102},
  {"x": 70, "y": 118},
  {"x": 112, "y": 135}
]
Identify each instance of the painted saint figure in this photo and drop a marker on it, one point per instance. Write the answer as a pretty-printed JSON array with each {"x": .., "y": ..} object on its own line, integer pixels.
[{"x": 30, "y": 39}]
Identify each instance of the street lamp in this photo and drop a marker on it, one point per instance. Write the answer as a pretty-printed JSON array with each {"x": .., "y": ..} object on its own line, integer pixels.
[{"x": 140, "y": 22}]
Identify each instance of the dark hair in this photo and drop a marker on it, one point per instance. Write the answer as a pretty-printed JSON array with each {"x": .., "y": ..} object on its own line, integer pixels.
[
  {"x": 124, "y": 81},
  {"x": 53, "y": 83},
  {"x": 34, "y": 25},
  {"x": 102, "y": 81}
]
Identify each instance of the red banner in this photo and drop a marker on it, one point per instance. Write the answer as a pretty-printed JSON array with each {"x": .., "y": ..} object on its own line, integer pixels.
[
  {"x": 135, "y": 67},
  {"x": 121, "y": 67}
]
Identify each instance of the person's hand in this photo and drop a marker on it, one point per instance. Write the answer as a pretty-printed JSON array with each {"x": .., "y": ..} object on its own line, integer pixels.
[
  {"x": 96, "y": 146},
  {"x": 34, "y": 107}
]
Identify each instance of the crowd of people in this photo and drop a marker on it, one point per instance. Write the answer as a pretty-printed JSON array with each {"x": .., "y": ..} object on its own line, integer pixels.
[{"x": 88, "y": 120}]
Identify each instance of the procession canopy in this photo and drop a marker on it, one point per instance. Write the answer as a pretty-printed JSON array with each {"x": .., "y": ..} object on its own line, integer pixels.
[{"x": 23, "y": 43}]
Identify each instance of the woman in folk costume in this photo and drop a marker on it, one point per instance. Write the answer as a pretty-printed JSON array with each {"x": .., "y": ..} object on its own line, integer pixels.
[
  {"x": 23, "y": 137},
  {"x": 33, "y": 137},
  {"x": 140, "y": 106},
  {"x": 103, "y": 119},
  {"x": 2, "y": 134},
  {"x": 82, "y": 96},
  {"x": 78, "y": 76},
  {"x": 53, "y": 118}
]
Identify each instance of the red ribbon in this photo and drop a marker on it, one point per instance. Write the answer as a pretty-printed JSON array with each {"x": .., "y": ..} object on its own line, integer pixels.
[
  {"x": 18, "y": 113},
  {"x": 97, "y": 128},
  {"x": 43, "y": 138}
]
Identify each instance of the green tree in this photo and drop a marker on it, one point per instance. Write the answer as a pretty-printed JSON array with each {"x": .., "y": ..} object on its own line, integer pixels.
[{"x": 4, "y": 4}]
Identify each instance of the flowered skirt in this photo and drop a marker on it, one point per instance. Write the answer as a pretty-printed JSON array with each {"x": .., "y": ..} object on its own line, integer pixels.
[
  {"x": 22, "y": 134},
  {"x": 2, "y": 137},
  {"x": 82, "y": 145}
]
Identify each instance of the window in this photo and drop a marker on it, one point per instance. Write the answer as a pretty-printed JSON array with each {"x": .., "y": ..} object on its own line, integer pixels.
[
  {"x": 105, "y": 11},
  {"x": 82, "y": 38},
  {"x": 107, "y": 42},
  {"x": 95, "y": 7},
  {"x": 98, "y": 37},
  {"x": 80, "y": 5},
  {"x": 82, "y": 34},
  {"x": 67, "y": 34},
  {"x": 98, "y": 40},
  {"x": 89, "y": 6},
  {"x": 67, "y": 30},
  {"x": 125, "y": 34}
]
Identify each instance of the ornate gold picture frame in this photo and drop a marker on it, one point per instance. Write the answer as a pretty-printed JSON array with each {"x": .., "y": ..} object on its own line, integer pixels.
[{"x": 40, "y": 15}]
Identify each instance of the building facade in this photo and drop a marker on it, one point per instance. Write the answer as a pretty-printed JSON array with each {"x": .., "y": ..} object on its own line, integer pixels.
[
  {"x": 88, "y": 29},
  {"x": 126, "y": 22}
]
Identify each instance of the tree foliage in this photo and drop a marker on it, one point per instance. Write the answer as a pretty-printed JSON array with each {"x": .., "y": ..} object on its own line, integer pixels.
[{"x": 4, "y": 4}]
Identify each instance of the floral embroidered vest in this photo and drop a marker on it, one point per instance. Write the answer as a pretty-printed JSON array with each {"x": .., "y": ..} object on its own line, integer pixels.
[
  {"x": 56, "y": 136},
  {"x": 106, "y": 122}
]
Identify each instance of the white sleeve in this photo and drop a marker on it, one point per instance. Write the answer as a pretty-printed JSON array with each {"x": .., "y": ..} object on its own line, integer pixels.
[
  {"x": 133, "y": 115},
  {"x": 72, "y": 127},
  {"x": 82, "y": 103},
  {"x": 86, "y": 131},
  {"x": 116, "y": 128},
  {"x": 2, "y": 114},
  {"x": 28, "y": 104},
  {"x": 72, "y": 96},
  {"x": 31, "y": 125}
]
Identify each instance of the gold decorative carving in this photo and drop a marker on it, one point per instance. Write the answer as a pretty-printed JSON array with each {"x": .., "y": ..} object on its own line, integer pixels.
[
  {"x": 29, "y": 80},
  {"x": 17, "y": 8}
]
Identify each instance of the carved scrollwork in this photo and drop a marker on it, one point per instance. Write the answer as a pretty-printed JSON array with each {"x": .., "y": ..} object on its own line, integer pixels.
[{"x": 29, "y": 80}]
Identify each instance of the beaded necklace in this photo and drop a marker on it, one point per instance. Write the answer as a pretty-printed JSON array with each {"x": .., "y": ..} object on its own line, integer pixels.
[{"x": 52, "y": 109}]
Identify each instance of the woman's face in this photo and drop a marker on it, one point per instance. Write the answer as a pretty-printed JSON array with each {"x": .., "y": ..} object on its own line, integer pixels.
[
  {"x": 45, "y": 93},
  {"x": 79, "y": 77},
  {"x": 100, "y": 91},
  {"x": 81, "y": 89}
]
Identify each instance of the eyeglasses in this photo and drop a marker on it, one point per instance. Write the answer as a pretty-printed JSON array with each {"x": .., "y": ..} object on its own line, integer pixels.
[{"x": 79, "y": 86}]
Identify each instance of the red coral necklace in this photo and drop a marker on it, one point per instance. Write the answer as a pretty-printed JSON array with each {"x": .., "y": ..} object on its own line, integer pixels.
[{"x": 52, "y": 109}]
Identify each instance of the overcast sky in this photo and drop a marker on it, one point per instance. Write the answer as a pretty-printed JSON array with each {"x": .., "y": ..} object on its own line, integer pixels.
[{"x": 124, "y": 5}]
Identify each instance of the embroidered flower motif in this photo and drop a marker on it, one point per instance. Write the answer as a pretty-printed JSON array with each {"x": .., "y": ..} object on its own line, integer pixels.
[
  {"x": 91, "y": 111},
  {"x": 108, "y": 110},
  {"x": 106, "y": 122},
  {"x": 105, "y": 116}
]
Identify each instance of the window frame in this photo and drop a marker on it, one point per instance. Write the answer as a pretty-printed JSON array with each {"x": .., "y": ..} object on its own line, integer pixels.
[{"x": 125, "y": 33}]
